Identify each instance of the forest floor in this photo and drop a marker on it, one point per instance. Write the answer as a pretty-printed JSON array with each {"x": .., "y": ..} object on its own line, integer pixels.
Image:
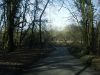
[{"x": 60, "y": 62}]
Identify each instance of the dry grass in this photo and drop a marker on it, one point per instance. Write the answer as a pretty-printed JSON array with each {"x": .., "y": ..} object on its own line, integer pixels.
[{"x": 96, "y": 63}]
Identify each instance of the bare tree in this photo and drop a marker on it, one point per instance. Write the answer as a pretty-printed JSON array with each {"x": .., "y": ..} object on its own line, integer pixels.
[
  {"x": 40, "y": 22},
  {"x": 11, "y": 9}
]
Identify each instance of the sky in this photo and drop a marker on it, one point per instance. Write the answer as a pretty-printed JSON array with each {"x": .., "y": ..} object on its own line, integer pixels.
[{"x": 59, "y": 19}]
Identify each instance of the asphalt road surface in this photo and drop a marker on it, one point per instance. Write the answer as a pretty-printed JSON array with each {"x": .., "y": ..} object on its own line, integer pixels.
[{"x": 59, "y": 62}]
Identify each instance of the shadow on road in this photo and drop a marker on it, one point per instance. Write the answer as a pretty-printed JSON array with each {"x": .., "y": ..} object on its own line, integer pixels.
[{"x": 58, "y": 62}]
